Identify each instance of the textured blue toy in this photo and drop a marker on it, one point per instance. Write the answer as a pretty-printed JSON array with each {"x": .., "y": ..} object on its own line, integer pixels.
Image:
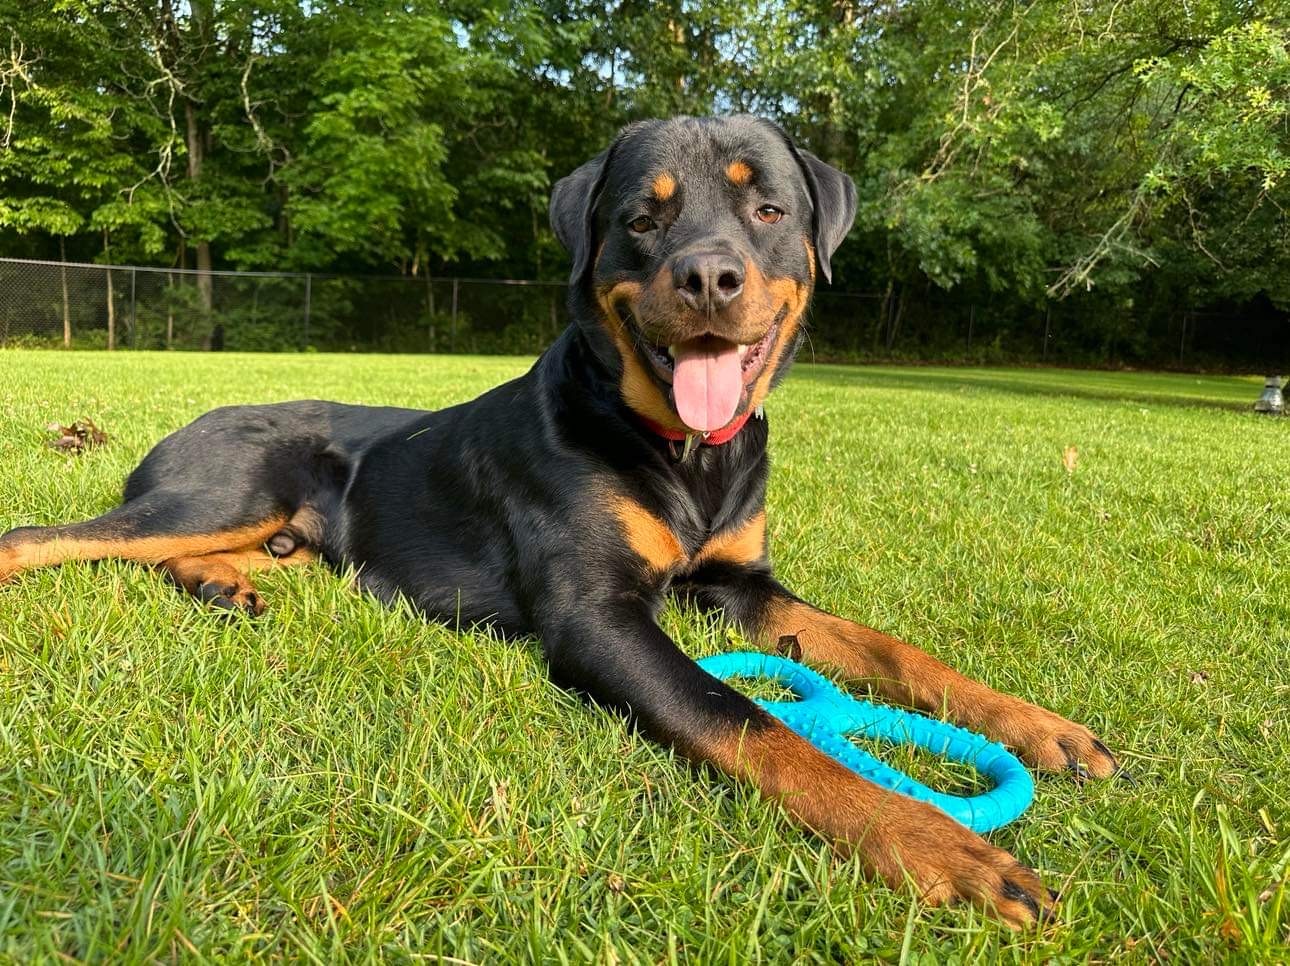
[{"x": 825, "y": 717}]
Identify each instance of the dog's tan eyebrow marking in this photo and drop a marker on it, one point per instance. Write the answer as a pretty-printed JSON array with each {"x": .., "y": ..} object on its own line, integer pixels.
[
  {"x": 663, "y": 186},
  {"x": 738, "y": 172}
]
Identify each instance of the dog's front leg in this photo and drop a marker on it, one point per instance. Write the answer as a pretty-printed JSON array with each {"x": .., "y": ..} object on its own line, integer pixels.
[
  {"x": 778, "y": 620},
  {"x": 613, "y": 651}
]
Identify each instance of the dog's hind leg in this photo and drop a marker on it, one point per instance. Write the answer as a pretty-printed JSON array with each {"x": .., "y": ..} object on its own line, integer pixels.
[
  {"x": 208, "y": 501},
  {"x": 220, "y": 579},
  {"x": 207, "y": 549},
  {"x": 154, "y": 527}
]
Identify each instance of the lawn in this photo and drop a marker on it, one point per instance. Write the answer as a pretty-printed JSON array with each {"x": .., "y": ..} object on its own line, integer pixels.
[{"x": 337, "y": 780}]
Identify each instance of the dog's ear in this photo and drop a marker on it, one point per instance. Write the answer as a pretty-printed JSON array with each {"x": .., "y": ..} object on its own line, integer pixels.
[
  {"x": 833, "y": 194},
  {"x": 573, "y": 211}
]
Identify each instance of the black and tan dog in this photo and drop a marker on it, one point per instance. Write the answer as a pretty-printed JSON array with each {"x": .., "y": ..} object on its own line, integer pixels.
[{"x": 566, "y": 503}]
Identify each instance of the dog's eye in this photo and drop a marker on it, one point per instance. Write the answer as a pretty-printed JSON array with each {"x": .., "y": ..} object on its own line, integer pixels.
[
  {"x": 769, "y": 214},
  {"x": 642, "y": 224}
]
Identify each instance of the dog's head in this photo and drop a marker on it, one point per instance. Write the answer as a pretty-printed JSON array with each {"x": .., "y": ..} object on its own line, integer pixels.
[{"x": 695, "y": 244}]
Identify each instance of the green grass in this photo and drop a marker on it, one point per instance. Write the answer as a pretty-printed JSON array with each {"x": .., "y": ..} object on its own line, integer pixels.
[{"x": 338, "y": 780}]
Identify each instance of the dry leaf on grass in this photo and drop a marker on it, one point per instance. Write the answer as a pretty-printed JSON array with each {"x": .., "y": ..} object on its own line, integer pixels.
[
  {"x": 1070, "y": 456},
  {"x": 1229, "y": 930},
  {"x": 76, "y": 438}
]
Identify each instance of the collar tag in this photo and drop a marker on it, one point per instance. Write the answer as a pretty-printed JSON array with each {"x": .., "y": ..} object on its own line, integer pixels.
[{"x": 691, "y": 443}]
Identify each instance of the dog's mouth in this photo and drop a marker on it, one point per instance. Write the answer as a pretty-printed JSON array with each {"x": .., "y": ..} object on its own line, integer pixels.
[
  {"x": 752, "y": 357},
  {"x": 709, "y": 376}
]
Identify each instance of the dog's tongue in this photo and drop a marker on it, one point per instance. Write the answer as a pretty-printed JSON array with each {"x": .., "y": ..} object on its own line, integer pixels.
[{"x": 707, "y": 382}]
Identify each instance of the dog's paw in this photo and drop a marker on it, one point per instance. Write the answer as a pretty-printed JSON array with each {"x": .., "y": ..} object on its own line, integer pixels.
[
  {"x": 231, "y": 599},
  {"x": 1049, "y": 742},
  {"x": 948, "y": 863}
]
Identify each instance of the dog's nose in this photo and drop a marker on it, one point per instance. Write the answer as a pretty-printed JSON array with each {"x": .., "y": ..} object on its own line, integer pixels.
[{"x": 708, "y": 281}]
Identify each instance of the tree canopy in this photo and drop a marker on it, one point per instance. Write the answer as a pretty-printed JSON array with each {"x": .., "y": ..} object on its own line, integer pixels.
[{"x": 1123, "y": 161}]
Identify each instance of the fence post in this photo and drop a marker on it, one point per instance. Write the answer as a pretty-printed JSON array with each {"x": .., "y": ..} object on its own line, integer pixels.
[
  {"x": 111, "y": 311},
  {"x": 309, "y": 287},
  {"x": 170, "y": 310},
  {"x": 971, "y": 319},
  {"x": 67, "y": 305},
  {"x": 429, "y": 311},
  {"x": 452, "y": 345},
  {"x": 1182, "y": 341},
  {"x": 1048, "y": 318},
  {"x": 134, "y": 312}
]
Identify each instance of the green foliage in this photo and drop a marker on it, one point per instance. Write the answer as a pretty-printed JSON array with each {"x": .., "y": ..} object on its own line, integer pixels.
[{"x": 1129, "y": 157}]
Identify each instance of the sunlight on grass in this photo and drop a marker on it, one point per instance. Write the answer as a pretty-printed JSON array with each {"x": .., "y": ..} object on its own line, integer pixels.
[
  {"x": 342, "y": 781},
  {"x": 937, "y": 773}
]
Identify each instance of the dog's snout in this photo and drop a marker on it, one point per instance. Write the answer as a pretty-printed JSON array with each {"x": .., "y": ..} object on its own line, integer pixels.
[{"x": 708, "y": 281}]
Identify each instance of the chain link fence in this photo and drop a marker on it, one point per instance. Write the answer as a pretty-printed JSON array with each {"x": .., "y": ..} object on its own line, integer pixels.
[
  {"x": 938, "y": 326},
  {"x": 83, "y": 305},
  {"x": 86, "y": 306}
]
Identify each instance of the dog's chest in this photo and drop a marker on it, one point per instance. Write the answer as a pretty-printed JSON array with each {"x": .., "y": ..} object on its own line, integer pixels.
[{"x": 670, "y": 550}]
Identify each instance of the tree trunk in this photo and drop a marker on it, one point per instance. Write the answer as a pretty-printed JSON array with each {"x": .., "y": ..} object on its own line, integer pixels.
[
  {"x": 884, "y": 316},
  {"x": 204, "y": 278},
  {"x": 196, "y": 155},
  {"x": 185, "y": 54},
  {"x": 677, "y": 33},
  {"x": 67, "y": 302},
  {"x": 894, "y": 327}
]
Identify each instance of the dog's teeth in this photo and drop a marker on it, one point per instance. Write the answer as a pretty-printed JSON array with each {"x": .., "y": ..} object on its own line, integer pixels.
[
  {"x": 743, "y": 350},
  {"x": 671, "y": 351}
]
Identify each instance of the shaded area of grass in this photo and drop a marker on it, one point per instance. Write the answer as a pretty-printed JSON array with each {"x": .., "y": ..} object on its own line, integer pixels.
[
  {"x": 339, "y": 780},
  {"x": 1165, "y": 389}
]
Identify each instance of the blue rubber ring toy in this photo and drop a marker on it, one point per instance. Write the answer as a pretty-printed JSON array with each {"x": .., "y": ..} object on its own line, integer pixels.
[{"x": 826, "y": 717}]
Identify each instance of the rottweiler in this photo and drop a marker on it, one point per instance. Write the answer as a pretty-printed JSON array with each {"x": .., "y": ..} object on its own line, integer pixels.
[{"x": 629, "y": 462}]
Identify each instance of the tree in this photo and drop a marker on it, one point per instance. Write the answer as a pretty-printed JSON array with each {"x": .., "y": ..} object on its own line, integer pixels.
[{"x": 1125, "y": 161}]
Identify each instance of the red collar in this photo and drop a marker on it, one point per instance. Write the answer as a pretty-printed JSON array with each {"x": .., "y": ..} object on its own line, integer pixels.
[{"x": 717, "y": 437}]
